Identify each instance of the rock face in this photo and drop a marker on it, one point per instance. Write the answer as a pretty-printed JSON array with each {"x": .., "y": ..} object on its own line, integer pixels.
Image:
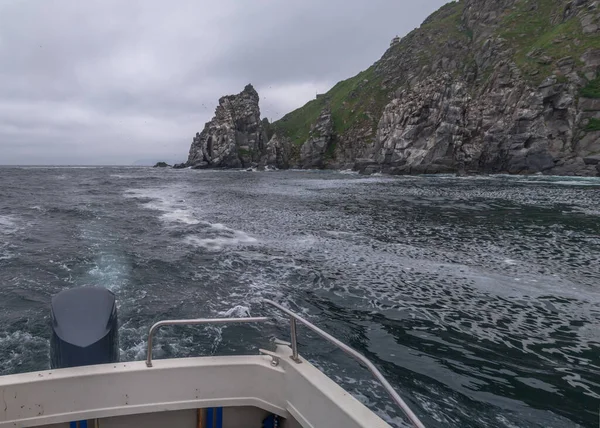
[
  {"x": 437, "y": 127},
  {"x": 314, "y": 151},
  {"x": 277, "y": 153},
  {"x": 422, "y": 129},
  {"x": 483, "y": 86},
  {"x": 234, "y": 138}
]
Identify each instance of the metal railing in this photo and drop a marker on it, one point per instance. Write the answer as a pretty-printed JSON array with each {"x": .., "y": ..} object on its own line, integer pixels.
[
  {"x": 160, "y": 324},
  {"x": 348, "y": 350},
  {"x": 294, "y": 345}
]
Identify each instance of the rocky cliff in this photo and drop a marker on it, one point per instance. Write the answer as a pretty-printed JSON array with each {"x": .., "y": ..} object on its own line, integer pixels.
[
  {"x": 234, "y": 138},
  {"x": 483, "y": 86}
]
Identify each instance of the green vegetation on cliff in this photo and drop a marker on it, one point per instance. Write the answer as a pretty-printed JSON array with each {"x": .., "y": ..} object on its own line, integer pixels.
[
  {"x": 349, "y": 100},
  {"x": 358, "y": 102},
  {"x": 593, "y": 125},
  {"x": 541, "y": 37},
  {"x": 592, "y": 89},
  {"x": 296, "y": 125},
  {"x": 541, "y": 33},
  {"x": 447, "y": 20}
]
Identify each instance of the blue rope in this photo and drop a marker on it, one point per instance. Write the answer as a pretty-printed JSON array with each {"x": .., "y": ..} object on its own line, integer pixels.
[
  {"x": 219, "y": 423},
  {"x": 209, "y": 418}
]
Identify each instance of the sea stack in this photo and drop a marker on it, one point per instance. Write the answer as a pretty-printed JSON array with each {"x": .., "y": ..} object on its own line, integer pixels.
[{"x": 234, "y": 138}]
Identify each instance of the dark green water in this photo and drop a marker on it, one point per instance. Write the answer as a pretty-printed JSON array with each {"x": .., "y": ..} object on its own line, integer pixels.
[{"x": 477, "y": 297}]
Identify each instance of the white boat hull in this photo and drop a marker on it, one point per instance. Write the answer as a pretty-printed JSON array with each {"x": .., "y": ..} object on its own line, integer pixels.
[{"x": 132, "y": 394}]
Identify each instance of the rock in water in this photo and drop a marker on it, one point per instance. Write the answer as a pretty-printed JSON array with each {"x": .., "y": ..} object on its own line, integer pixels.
[
  {"x": 161, "y": 165},
  {"x": 234, "y": 138}
]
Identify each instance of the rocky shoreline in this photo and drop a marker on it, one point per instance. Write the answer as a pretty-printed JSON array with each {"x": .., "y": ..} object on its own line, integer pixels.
[
  {"x": 466, "y": 93},
  {"x": 237, "y": 138}
]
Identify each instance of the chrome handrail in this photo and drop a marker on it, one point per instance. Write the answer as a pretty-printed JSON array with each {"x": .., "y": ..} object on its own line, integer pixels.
[
  {"x": 348, "y": 350},
  {"x": 194, "y": 322},
  {"x": 294, "y": 344}
]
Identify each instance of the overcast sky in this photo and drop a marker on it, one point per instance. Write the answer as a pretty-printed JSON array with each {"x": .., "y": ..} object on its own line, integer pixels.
[{"x": 115, "y": 81}]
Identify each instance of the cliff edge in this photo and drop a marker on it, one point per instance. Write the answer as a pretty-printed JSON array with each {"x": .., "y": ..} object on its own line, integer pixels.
[{"x": 483, "y": 86}]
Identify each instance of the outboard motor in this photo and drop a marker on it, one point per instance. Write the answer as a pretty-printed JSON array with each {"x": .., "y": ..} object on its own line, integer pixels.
[{"x": 84, "y": 328}]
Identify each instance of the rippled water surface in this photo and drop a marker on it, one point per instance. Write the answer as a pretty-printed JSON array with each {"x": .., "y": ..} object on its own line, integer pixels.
[{"x": 477, "y": 297}]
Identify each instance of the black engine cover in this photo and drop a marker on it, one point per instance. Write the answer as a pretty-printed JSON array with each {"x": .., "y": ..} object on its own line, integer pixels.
[{"x": 84, "y": 328}]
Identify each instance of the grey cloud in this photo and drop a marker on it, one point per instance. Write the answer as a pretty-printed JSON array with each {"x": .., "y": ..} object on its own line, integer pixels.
[{"x": 112, "y": 81}]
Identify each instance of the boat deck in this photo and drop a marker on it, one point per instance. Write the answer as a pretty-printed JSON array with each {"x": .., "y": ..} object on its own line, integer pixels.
[
  {"x": 233, "y": 417},
  {"x": 169, "y": 393}
]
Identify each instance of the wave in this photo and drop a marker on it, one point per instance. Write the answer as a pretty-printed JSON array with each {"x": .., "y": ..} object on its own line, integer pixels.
[
  {"x": 23, "y": 351},
  {"x": 128, "y": 176},
  {"x": 8, "y": 224},
  {"x": 180, "y": 216},
  {"x": 230, "y": 238},
  {"x": 238, "y": 311},
  {"x": 110, "y": 271},
  {"x": 175, "y": 210},
  {"x": 168, "y": 201}
]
